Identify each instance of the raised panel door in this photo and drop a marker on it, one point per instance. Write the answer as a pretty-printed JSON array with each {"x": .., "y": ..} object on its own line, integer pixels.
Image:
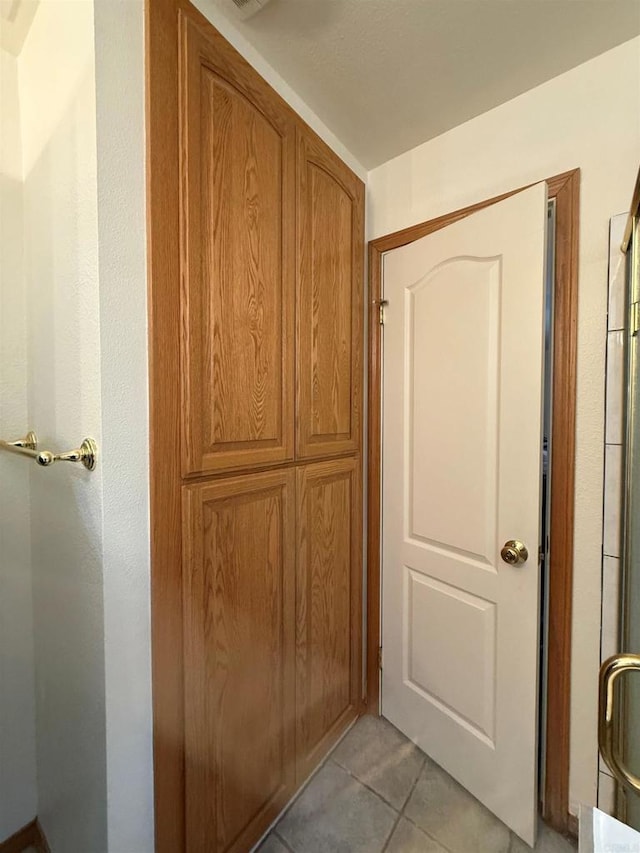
[
  {"x": 239, "y": 636},
  {"x": 243, "y": 196},
  {"x": 329, "y": 302},
  {"x": 463, "y": 368},
  {"x": 328, "y": 606},
  {"x": 237, "y": 236}
]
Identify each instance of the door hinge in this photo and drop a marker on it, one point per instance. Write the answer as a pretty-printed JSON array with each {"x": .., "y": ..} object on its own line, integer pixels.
[
  {"x": 635, "y": 319},
  {"x": 379, "y": 657},
  {"x": 381, "y": 305}
]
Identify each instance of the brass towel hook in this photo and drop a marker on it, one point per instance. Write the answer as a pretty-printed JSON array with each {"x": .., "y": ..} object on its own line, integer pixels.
[{"x": 86, "y": 454}]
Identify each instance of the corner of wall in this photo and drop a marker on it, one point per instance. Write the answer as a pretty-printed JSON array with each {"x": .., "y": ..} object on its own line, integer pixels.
[
  {"x": 18, "y": 788},
  {"x": 119, "y": 47}
]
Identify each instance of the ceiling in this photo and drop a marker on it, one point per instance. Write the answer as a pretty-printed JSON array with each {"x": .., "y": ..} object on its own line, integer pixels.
[
  {"x": 15, "y": 19},
  {"x": 386, "y": 75}
]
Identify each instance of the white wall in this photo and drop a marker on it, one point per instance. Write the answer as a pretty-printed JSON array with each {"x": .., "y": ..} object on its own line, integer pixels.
[
  {"x": 125, "y": 441},
  {"x": 587, "y": 118},
  {"x": 57, "y": 99},
  {"x": 18, "y": 795}
]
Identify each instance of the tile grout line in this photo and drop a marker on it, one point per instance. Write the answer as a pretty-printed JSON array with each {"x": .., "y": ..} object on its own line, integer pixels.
[
  {"x": 428, "y": 834},
  {"x": 417, "y": 825},
  {"x": 415, "y": 782},
  {"x": 357, "y": 780},
  {"x": 282, "y": 840},
  {"x": 300, "y": 792},
  {"x": 367, "y": 786},
  {"x": 404, "y": 815},
  {"x": 400, "y": 812},
  {"x": 393, "y": 829}
]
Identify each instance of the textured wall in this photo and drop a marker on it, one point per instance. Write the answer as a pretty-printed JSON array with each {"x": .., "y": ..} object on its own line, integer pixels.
[
  {"x": 18, "y": 798},
  {"x": 125, "y": 460},
  {"x": 57, "y": 98}
]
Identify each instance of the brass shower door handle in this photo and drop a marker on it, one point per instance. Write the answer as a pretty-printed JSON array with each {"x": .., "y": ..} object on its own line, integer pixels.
[{"x": 609, "y": 672}]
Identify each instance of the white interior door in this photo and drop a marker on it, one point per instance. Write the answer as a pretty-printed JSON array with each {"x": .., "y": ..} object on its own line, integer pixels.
[{"x": 463, "y": 353}]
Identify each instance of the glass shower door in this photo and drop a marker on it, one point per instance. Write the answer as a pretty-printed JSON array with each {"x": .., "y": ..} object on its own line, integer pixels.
[
  {"x": 630, "y": 711},
  {"x": 619, "y": 716}
]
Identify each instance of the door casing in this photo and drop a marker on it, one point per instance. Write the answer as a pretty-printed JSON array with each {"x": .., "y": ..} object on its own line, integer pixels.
[{"x": 565, "y": 189}]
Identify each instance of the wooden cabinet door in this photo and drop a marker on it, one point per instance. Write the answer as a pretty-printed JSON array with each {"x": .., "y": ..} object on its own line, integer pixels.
[
  {"x": 237, "y": 239},
  {"x": 328, "y": 607},
  {"x": 253, "y": 222},
  {"x": 239, "y": 640},
  {"x": 329, "y": 301}
]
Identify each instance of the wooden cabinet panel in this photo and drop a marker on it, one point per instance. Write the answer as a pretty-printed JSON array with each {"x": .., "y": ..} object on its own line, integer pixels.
[
  {"x": 238, "y": 198},
  {"x": 328, "y": 606},
  {"x": 239, "y": 635},
  {"x": 256, "y": 289},
  {"x": 329, "y": 301}
]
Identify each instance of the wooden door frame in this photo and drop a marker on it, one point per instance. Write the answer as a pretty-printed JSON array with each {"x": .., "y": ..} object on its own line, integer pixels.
[
  {"x": 163, "y": 271},
  {"x": 565, "y": 189}
]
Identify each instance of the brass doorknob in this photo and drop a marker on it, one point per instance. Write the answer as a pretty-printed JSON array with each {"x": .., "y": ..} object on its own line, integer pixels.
[{"x": 514, "y": 553}]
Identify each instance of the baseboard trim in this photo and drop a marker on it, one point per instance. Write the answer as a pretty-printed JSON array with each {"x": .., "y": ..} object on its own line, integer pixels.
[
  {"x": 572, "y": 823},
  {"x": 30, "y": 835}
]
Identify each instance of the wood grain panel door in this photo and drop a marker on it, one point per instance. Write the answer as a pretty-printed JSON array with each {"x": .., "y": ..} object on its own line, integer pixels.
[
  {"x": 237, "y": 234},
  {"x": 328, "y": 606},
  {"x": 253, "y": 222},
  {"x": 239, "y": 634},
  {"x": 329, "y": 301}
]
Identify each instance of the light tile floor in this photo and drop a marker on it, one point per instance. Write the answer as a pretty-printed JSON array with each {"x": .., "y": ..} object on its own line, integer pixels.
[{"x": 378, "y": 792}]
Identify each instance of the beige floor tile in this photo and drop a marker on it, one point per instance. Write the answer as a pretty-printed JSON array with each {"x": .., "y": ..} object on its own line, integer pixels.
[
  {"x": 272, "y": 844},
  {"x": 448, "y": 813},
  {"x": 336, "y": 812},
  {"x": 381, "y": 757},
  {"x": 407, "y": 838}
]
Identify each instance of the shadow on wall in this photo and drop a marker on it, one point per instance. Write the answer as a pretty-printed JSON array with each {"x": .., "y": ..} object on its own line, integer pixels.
[
  {"x": 285, "y": 17},
  {"x": 61, "y": 274},
  {"x": 18, "y": 796}
]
